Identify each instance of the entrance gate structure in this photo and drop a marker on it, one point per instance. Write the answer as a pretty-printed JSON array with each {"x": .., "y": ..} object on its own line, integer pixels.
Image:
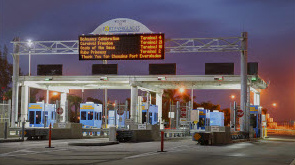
[{"x": 153, "y": 83}]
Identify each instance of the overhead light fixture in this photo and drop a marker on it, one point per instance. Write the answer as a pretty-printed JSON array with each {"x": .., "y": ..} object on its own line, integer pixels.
[
  {"x": 48, "y": 78},
  {"x": 254, "y": 78},
  {"x": 104, "y": 78},
  {"x": 218, "y": 78},
  {"x": 161, "y": 78},
  {"x": 30, "y": 43}
]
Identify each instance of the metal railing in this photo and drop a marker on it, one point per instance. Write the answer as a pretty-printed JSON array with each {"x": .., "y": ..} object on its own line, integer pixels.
[
  {"x": 281, "y": 131},
  {"x": 5, "y": 109},
  {"x": 13, "y": 132}
]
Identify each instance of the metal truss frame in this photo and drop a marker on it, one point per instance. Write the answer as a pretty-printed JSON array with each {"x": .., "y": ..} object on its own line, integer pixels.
[
  {"x": 176, "y": 45},
  {"x": 47, "y": 47},
  {"x": 188, "y": 45}
]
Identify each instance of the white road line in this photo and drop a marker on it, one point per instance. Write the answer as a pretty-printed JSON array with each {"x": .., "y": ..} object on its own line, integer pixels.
[
  {"x": 11, "y": 152},
  {"x": 27, "y": 152},
  {"x": 142, "y": 155},
  {"x": 173, "y": 149}
]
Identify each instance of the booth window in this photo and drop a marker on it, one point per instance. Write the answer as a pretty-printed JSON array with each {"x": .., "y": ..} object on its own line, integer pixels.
[
  {"x": 90, "y": 115},
  {"x": 253, "y": 121},
  {"x": 52, "y": 115},
  {"x": 202, "y": 122},
  {"x": 83, "y": 115},
  {"x": 99, "y": 115},
  {"x": 151, "y": 117},
  {"x": 143, "y": 117},
  {"x": 156, "y": 117},
  {"x": 38, "y": 117},
  {"x": 31, "y": 117}
]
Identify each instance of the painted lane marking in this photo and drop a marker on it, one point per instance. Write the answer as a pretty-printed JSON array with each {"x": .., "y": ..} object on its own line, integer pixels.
[
  {"x": 142, "y": 155},
  {"x": 173, "y": 149},
  {"x": 27, "y": 152}
]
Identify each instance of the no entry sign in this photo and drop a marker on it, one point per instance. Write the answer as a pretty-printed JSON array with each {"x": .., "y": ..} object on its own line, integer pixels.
[
  {"x": 59, "y": 111},
  {"x": 240, "y": 113}
]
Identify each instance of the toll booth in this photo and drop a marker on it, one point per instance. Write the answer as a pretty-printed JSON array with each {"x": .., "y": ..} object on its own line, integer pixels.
[
  {"x": 216, "y": 118},
  {"x": 200, "y": 118},
  {"x": 50, "y": 114},
  {"x": 153, "y": 114},
  {"x": 118, "y": 120},
  {"x": 111, "y": 118},
  {"x": 255, "y": 119},
  {"x": 204, "y": 118},
  {"x": 91, "y": 115},
  {"x": 121, "y": 117},
  {"x": 36, "y": 114}
]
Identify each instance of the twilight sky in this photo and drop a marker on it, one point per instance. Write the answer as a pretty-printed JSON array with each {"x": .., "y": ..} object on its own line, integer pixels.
[{"x": 270, "y": 24}]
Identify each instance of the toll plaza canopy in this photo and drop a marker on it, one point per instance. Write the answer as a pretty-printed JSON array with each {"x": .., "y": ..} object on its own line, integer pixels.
[{"x": 152, "y": 83}]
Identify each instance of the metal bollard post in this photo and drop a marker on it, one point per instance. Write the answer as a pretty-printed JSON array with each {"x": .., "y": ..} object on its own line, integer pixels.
[
  {"x": 162, "y": 142},
  {"x": 5, "y": 130},
  {"x": 49, "y": 142}
]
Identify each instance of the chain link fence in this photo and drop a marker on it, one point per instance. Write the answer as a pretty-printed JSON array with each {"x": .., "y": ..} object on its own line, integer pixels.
[{"x": 5, "y": 110}]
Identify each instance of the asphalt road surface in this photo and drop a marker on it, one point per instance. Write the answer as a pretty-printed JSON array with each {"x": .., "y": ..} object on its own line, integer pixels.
[{"x": 180, "y": 152}]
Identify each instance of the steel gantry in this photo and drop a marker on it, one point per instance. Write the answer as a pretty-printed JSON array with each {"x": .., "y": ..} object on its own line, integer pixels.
[{"x": 176, "y": 45}]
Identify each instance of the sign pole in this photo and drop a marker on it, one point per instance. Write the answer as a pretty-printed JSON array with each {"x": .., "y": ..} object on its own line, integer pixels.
[
  {"x": 170, "y": 115},
  {"x": 105, "y": 101}
]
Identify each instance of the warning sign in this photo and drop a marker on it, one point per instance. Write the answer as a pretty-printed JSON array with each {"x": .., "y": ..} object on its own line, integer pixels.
[{"x": 197, "y": 136}]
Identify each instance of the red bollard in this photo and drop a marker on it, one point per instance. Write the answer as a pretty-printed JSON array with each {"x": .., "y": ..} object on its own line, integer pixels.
[
  {"x": 49, "y": 144},
  {"x": 162, "y": 142}
]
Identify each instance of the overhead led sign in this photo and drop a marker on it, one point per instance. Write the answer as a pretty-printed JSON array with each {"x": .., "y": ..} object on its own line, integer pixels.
[{"x": 121, "y": 47}]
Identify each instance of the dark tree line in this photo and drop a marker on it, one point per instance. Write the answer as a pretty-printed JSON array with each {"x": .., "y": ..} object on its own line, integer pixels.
[{"x": 5, "y": 74}]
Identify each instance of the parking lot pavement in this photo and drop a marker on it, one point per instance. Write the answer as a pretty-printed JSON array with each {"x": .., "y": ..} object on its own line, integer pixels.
[
  {"x": 182, "y": 151},
  {"x": 34, "y": 152}
]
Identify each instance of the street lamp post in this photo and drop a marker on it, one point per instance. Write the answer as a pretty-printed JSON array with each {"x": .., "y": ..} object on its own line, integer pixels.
[
  {"x": 233, "y": 113},
  {"x": 30, "y": 43}
]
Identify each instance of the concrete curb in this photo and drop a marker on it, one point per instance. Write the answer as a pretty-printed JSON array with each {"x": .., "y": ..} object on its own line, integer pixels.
[
  {"x": 245, "y": 140},
  {"x": 279, "y": 140},
  {"x": 93, "y": 144}
]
